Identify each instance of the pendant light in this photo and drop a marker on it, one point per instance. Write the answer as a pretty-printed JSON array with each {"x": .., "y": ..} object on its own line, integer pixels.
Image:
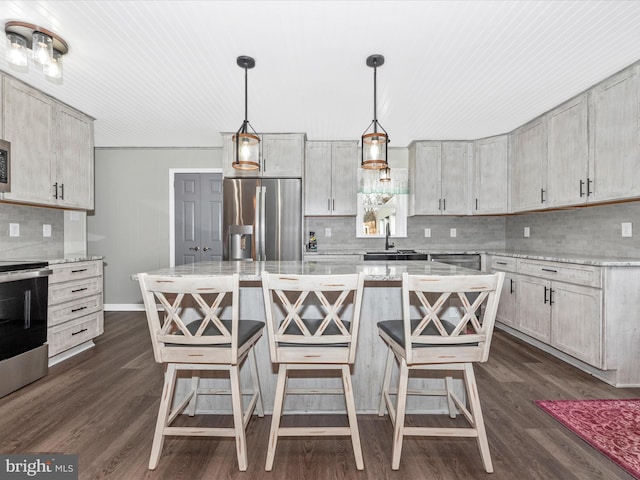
[
  {"x": 246, "y": 142},
  {"x": 375, "y": 138},
  {"x": 385, "y": 174}
]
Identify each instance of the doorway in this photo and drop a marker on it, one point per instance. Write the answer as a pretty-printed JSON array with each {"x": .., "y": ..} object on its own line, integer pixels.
[{"x": 196, "y": 224}]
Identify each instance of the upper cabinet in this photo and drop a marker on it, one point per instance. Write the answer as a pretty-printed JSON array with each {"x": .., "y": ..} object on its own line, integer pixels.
[
  {"x": 330, "y": 178},
  {"x": 282, "y": 156},
  {"x": 51, "y": 149},
  {"x": 491, "y": 175},
  {"x": 615, "y": 137},
  {"x": 439, "y": 173},
  {"x": 528, "y": 147},
  {"x": 568, "y": 180}
]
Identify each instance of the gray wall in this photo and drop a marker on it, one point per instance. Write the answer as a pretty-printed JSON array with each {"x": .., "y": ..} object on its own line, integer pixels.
[
  {"x": 31, "y": 244},
  {"x": 130, "y": 223},
  {"x": 593, "y": 230}
]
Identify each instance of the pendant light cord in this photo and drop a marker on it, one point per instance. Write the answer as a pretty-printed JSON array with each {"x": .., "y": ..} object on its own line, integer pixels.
[{"x": 375, "y": 89}]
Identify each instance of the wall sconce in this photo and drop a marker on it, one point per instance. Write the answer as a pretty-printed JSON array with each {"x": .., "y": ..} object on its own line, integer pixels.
[
  {"x": 46, "y": 47},
  {"x": 246, "y": 142},
  {"x": 375, "y": 138}
]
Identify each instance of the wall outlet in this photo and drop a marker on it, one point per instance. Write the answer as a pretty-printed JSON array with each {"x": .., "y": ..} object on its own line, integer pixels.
[
  {"x": 427, "y": 232},
  {"x": 46, "y": 230},
  {"x": 627, "y": 229},
  {"x": 327, "y": 232},
  {"x": 14, "y": 229},
  {"x": 527, "y": 232},
  {"x": 452, "y": 232}
]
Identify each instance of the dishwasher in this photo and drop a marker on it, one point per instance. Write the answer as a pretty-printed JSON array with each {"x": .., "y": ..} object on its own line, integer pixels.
[{"x": 466, "y": 260}]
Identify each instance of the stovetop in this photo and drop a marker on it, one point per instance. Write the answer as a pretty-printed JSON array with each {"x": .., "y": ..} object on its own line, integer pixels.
[{"x": 16, "y": 265}]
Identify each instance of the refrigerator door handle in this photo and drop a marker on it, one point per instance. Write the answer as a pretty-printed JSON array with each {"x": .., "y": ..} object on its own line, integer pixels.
[
  {"x": 263, "y": 223},
  {"x": 256, "y": 225}
]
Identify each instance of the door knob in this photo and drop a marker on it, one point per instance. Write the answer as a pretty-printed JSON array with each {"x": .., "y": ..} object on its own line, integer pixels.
[
  {"x": 194, "y": 248},
  {"x": 206, "y": 249}
]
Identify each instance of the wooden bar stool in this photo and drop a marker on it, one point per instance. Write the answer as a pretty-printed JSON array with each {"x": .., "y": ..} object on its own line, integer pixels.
[
  {"x": 206, "y": 343},
  {"x": 436, "y": 343},
  {"x": 312, "y": 324}
]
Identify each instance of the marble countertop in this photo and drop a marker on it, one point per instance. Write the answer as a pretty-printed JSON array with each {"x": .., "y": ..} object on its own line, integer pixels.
[
  {"x": 87, "y": 258},
  {"x": 374, "y": 271}
]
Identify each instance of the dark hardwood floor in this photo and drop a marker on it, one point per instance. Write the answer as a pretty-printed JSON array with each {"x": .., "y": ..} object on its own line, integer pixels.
[{"x": 102, "y": 405}]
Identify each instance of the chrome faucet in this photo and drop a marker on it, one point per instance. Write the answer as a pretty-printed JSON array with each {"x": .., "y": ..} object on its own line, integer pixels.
[{"x": 387, "y": 245}]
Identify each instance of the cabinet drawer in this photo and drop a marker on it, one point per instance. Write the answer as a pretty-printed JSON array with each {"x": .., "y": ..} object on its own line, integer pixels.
[
  {"x": 65, "y": 292},
  {"x": 69, "y": 310},
  {"x": 74, "y": 271},
  {"x": 69, "y": 334},
  {"x": 505, "y": 264},
  {"x": 564, "y": 272}
]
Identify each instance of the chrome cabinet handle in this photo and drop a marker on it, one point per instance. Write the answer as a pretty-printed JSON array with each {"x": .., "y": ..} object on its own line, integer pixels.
[{"x": 581, "y": 188}]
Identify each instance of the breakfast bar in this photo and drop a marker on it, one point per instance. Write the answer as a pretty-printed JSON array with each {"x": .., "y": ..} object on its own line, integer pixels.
[{"x": 381, "y": 301}]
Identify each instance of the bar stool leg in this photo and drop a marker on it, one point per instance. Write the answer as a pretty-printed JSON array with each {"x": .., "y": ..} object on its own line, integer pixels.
[
  {"x": 255, "y": 383},
  {"x": 238, "y": 423},
  {"x": 163, "y": 415},
  {"x": 448, "y": 386},
  {"x": 386, "y": 382},
  {"x": 476, "y": 412},
  {"x": 353, "y": 419},
  {"x": 277, "y": 412},
  {"x": 398, "y": 431}
]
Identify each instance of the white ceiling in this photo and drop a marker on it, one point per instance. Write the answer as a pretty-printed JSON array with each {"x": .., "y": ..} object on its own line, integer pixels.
[{"x": 164, "y": 73}]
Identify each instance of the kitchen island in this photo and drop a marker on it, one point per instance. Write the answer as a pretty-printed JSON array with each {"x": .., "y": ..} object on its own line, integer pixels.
[{"x": 381, "y": 301}]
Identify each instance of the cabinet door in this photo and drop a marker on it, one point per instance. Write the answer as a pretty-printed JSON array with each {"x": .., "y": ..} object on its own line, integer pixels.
[
  {"x": 317, "y": 179},
  {"x": 507, "y": 306},
  {"x": 615, "y": 137},
  {"x": 533, "y": 311},
  {"x": 568, "y": 164},
  {"x": 491, "y": 172},
  {"x": 74, "y": 159},
  {"x": 529, "y": 160},
  {"x": 344, "y": 174},
  {"x": 282, "y": 155},
  {"x": 28, "y": 126},
  {"x": 576, "y": 323},
  {"x": 425, "y": 179},
  {"x": 455, "y": 166}
]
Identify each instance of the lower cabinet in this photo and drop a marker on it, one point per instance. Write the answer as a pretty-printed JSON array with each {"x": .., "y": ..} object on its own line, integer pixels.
[
  {"x": 557, "y": 304},
  {"x": 75, "y": 312}
]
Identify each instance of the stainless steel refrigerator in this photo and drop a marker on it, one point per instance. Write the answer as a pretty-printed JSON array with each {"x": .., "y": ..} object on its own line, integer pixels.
[{"x": 262, "y": 219}]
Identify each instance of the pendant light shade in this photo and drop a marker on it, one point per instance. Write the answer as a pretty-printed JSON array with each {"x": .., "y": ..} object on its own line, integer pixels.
[
  {"x": 385, "y": 174},
  {"x": 375, "y": 138},
  {"x": 246, "y": 142}
]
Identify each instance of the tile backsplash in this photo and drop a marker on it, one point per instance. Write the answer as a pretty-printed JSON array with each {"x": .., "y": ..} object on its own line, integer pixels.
[{"x": 31, "y": 244}]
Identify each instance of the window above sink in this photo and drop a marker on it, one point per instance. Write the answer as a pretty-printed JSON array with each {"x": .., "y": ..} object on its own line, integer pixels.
[{"x": 382, "y": 203}]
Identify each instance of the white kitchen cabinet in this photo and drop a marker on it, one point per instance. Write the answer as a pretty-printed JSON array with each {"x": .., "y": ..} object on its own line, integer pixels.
[
  {"x": 51, "y": 149},
  {"x": 75, "y": 307},
  {"x": 491, "y": 175},
  {"x": 568, "y": 180},
  {"x": 615, "y": 137},
  {"x": 439, "y": 173},
  {"x": 507, "y": 305},
  {"x": 528, "y": 157},
  {"x": 576, "y": 321},
  {"x": 74, "y": 173},
  {"x": 533, "y": 312},
  {"x": 28, "y": 125},
  {"x": 282, "y": 155},
  {"x": 330, "y": 178}
]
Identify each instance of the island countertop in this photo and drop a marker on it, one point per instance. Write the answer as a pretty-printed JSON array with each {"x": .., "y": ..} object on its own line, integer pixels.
[{"x": 374, "y": 271}]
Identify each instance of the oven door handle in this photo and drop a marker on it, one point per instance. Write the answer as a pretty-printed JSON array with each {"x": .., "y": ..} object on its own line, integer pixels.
[{"x": 24, "y": 275}]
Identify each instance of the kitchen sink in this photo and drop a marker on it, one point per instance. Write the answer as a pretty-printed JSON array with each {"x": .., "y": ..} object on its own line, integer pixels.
[{"x": 394, "y": 255}]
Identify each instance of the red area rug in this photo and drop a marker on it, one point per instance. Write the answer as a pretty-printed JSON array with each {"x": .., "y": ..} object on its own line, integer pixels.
[{"x": 611, "y": 426}]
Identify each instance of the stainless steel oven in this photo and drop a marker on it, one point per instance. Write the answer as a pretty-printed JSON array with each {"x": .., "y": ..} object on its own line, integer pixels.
[{"x": 23, "y": 323}]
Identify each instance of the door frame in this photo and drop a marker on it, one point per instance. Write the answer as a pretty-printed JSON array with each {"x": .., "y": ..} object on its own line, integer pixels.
[{"x": 172, "y": 204}]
